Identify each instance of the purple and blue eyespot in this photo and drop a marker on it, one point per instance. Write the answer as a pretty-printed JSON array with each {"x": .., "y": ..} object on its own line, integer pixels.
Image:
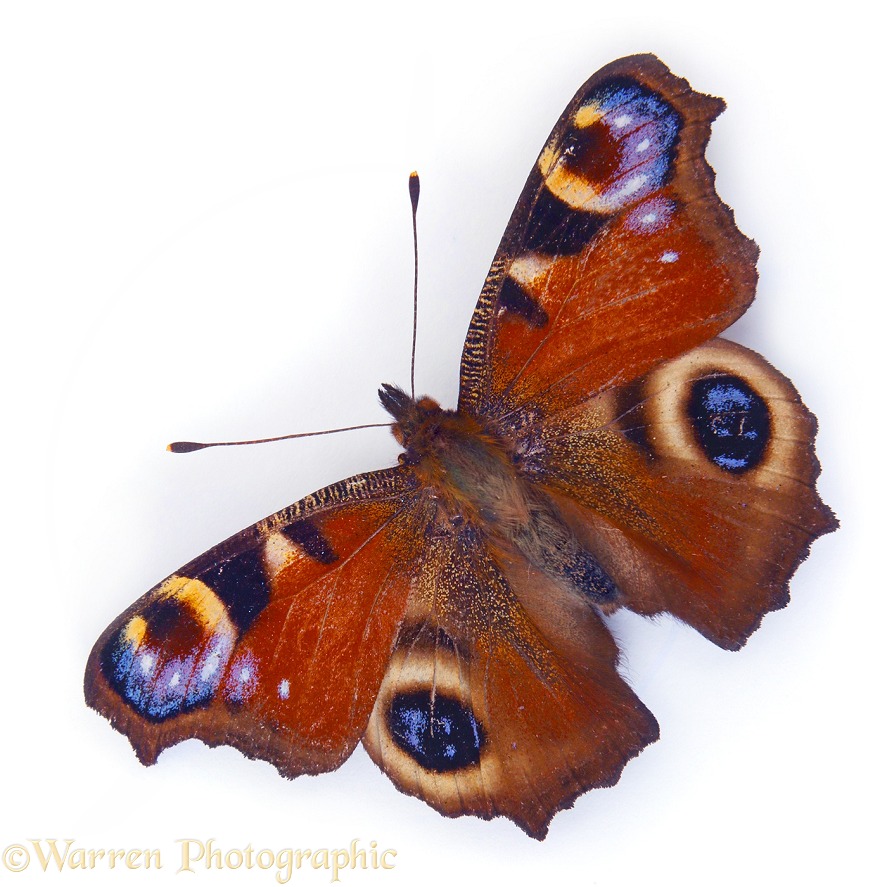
[
  {"x": 644, "y": 129},
  {"x": 158, "y": 684}
]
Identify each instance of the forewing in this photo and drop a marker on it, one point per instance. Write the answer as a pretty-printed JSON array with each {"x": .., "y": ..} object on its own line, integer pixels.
[
  {"x": 275, "y": 641},
  {"x": 619, "y": 253},
  {"x": 502, "y": 697},
  {"x": 694, "y": 487}
]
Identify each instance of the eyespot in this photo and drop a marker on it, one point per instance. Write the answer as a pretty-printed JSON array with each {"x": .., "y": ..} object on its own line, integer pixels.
[
  {"x": 438, "y": 732},
  {"x": 170, "y": 657},
  {"x": 731, "y": 421}
]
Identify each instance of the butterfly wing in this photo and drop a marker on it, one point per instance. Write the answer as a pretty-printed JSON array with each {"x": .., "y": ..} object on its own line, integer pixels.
[
  {"x": 619, "y": 259},
  {"x": 275, "y": 641},
  {"x": 502, "y": 697},
  {"x": 357, "y": 612},
  {"x": 694, "y": 487},
  {"x": 619, "y": 253}
]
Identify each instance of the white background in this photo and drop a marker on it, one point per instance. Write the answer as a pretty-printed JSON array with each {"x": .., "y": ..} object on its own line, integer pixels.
[{"x": 204, "y": 233}]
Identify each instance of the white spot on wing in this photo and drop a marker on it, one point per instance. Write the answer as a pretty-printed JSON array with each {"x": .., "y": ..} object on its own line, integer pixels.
[
  {"x": 283, "y": 689},
  {"x": 243, "y": 678},
  {"x": 211, "y": 666},
  {"x": 668, "y": 257},
  {"x": 528, "y": 268},
  {"x": 616, "y": 199},
  {"x": 279, "y": 553},
  {"x": 633, "y": 185}
]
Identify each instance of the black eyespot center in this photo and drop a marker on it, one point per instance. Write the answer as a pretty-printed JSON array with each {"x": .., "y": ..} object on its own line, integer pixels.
[
  {"x": 440, "y": 733},
  {"x": 731, "y": 421}
]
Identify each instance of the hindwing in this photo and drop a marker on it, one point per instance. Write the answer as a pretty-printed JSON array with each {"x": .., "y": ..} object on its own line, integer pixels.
[
  {"x": 502, "y": 697},
  {"x": 694, "y": 487}
]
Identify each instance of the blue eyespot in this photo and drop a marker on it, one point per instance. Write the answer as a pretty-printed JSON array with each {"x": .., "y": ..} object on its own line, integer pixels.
[
  {"x": 173, "y": 664},
  {"x": 731, "y": 421},
  {"x": 440, "y": 734}
]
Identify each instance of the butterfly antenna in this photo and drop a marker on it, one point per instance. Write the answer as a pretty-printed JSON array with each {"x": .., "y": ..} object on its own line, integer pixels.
[
  {"x": 414, "y": 200},
  {"x": 189, "y": 446}
]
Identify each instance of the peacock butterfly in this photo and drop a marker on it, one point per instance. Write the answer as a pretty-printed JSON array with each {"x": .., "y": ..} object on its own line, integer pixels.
[{"x": 608, "y": 450}]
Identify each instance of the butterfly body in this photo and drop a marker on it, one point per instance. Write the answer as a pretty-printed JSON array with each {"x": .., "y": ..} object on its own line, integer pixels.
[
  {"x": 475, "y": 480},
  {"x": 608, "y": 450}
]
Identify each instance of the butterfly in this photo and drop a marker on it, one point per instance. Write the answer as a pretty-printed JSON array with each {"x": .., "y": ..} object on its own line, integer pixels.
[{"x": 608, "y": 450}]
